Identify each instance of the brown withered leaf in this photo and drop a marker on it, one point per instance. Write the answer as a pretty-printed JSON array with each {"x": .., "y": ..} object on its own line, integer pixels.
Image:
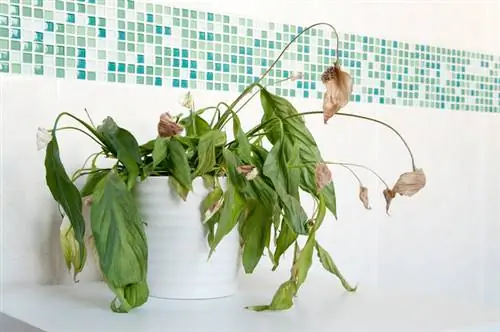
[
  {"x": 323, "y": 176},
  {"x": 338, "y": 90},
  {"x": 410, "y": 183},
  {"x": 388, "y": 195},
  {"x": 167, "y": 127},
  {"x": 363, "y": 196}
]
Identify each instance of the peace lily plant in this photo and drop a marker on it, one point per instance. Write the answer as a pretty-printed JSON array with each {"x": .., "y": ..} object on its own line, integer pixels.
[{"x": 266, "y": 167}]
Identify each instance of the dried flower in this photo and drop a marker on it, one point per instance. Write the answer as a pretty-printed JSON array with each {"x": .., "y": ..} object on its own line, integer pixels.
[
  {"x": 249, "y": 171},
  {"x": 87, "y": 201},
  {"x": 43, "y": 137},
  {"x": 363, "y": 196},
  {"x": 296, "y": 75},
  {"x": 388, "y": 195},
  {"x": 410, "y": 183},
  {"x": 187, "y": 101},
  {"x": 338, "y": 90},
  {"x": 323, "y": 176},
  {"x": 167, "y": 127}
]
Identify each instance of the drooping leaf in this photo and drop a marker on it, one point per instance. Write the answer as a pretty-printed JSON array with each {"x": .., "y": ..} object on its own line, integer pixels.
[
  {"x": 147, "y": 147},
  {"x": 211, "y": 203},
  {"x": 285, "y": 239},
  {"x": 304, "y": 259},
  {"x": 328, "y": 264},
  {"x": 179, "y": 189},
  {"x": 232, "y": 164},
  {"x": 244, "y": 148},
  {"x": 294, "y": 128},
  {"x": 125, "y": 148},
  {"x": 160, "y": 150},
  {"x": 92, "y": 180},
  {"x": 208, "y": 181},
  {"x": 206, "y": 151},
  {"x": 178, "y": 164},
  {"x": 120, "y": 240},
  {"x": 282, "y": 299},
  {"x": 256, "y": 233},
  {"x": 202, "y": 126},
  {"x": 135, "y": 294},
  {"x": 275, "y": 168},
  {"x": 229, "y": 215},
  {"x": 65, "y": 193}
]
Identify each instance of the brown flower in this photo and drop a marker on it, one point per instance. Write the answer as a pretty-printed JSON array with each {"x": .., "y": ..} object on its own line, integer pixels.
[
  {"x": 388, "y": 195},
  {"x": 338, "y": 90},
  {"x": 363, "y": 196},
  {"x": 410, "y": 183},
  {"x": 167, "y": 127},
  {"x": 323, "y": 176},
  {"x": 250, "y": 172}
]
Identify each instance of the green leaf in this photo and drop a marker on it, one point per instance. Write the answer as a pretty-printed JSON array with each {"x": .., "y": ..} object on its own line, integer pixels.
[
  {"x": 92, "y": 180},
  {"x": 232, "y": 164},
  {"x": 120, "y": 240},
  {"x": 147, "y": 147},
  {"x": 256, "y": 234},
  {"x": 275, "y": 168},
  {"x": 178, "y": 164},
  {"x": 160, "y": 150},
  {"x": 244, "y": 148},
  {"x": 125, "y": 148},
  {"x": 328, "y": 264},
  {"x": 206, "y": 151},
  {"x": 282, "y": 299},
  {"x": 285, "y": 239},
  {"x": 211, "y": 203},
  {"x": 65, "y": 193},
  {"x": 304, "y": 260},
  {"x": 294, "y": 128},
  {"x": 229, "y": 215},
  {"x": 179, "y": 189},
  {"x": 202, "y": 126}
]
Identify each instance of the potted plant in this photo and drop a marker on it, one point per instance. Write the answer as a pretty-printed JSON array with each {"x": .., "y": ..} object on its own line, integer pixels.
[{"x": 237, "y": 186}]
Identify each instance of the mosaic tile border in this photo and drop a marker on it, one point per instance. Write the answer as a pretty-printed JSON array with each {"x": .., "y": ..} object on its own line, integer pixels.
[{"x": 134, "y": 42}]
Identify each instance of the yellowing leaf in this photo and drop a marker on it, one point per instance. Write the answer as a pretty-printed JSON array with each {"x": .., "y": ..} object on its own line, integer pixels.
[
  {"x": 328, "y": 264},
  {"x": 120, "y": 240},
  {"x": 282, "y": 299}
]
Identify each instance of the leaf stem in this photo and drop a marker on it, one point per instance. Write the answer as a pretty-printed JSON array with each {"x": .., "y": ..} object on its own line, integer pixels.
[
  {"x": 353, "y": 173},
  {"x": 386, "y": 125},
  {"x": 82, "y": 131}
]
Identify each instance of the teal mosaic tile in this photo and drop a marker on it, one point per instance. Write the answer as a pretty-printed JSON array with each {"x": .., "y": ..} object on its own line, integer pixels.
[{"x": 125, "y": 41}]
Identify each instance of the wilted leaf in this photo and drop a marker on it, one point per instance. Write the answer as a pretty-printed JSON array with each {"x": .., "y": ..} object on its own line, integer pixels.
[
  {"x": 178, "y": 188},
  {"x": 202, "y": 126},
  {"x": 120, "y": 241},
  {"x": 276, "y": 170},
  {"x": 328, "y": 264},
  {"x": 363, "y": 197},
  {"x": 295, "y": 129},
  {"x": 65, "y": 193},
  {"x": 160, "y": 150},
  {"x": 206, "y": 150},
  {"x": 304, "y": 260},
  {"x": 389, "y": 196},
  {"x": 323, "y": 176},
  {"x": 71, "y": 248},
  {"x": 211, "y": 203},
  {"x": 178, "y": 165},
  {"x": 229, "y": 215},
  {"x": 125, "y": 147},
  {"x": 92, "y": 180},
  {"x": 285, "y": 239},
  {"x": 282, "y": 299},
  {"x": 256, "y": 233}
]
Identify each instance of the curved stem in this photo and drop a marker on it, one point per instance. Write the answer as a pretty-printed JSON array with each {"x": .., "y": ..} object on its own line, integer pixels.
[
  {"x": 86, "y": 125},
  {"x": 80, "y": 130},
  {"x": 295, "y": 38},
  {"x": 360, "y": 166},
  {"x": 94, "y": 155},
  {"x": 386, "y": 125},
  {"x": 353, "y": 173}
]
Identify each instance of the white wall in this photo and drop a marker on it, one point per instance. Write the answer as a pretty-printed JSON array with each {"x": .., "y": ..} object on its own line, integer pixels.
[{"x": 445, "y": 240}]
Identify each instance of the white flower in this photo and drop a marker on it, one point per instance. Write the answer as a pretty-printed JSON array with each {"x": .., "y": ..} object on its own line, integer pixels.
[
  {"x": 296, "y": 75},
  {"x": 43, "y": 137},
  {"x": 187, "y": 101}
]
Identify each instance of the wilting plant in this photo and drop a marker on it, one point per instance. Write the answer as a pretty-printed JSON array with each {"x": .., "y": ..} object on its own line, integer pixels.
[{"x": 266, "y": 168}]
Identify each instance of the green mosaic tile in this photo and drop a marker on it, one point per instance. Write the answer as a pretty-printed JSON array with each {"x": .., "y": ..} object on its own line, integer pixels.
[{"x": 183, "y": 48}]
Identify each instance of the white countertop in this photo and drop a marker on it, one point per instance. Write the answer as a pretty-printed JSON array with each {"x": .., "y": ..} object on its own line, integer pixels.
[{"x": 320, "y": 306}]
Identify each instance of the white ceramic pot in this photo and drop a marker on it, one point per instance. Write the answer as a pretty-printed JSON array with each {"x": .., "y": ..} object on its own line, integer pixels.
[{"x": 178, "y": 265}]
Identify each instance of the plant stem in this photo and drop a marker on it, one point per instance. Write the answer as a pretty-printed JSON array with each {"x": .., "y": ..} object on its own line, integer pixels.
[
  {"x": 86, "y": 125},
  {"x": 353, "y": 173},
  {"x": 386, "y": 125},
  {"x": 95, "y": 155},
  {"x": 295, "y": 38},
  {"x": 80, "y": 130}
]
